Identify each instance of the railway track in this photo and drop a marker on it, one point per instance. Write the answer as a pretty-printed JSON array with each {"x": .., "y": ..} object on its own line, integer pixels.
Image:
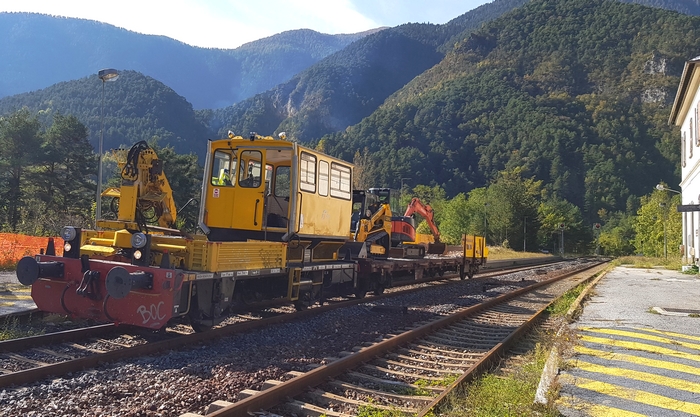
[
  {"x": 411, "y": 372},
  {"x": 26, "y": 360}
]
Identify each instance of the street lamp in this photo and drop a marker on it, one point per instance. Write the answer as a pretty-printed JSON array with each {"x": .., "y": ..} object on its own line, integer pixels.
[
  {"x": 662, "y": 187},
  {"x": 107, "y": 74}
]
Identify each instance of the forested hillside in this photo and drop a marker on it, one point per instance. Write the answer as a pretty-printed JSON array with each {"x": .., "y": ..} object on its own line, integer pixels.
[
  {"x": 325, "y": 98},
  {"x": 136, "y": 108},
  {"x": 576, "y": 93},
  {"x": 342, "y": 89},
  {"x": 345, "y": 87},
  {"x": 691, "y": 7},
  {"x": 39, "y": 50}
]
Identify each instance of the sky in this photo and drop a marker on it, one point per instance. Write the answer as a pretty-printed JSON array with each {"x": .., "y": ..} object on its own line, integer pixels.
[{"x": 231, "y": 23}]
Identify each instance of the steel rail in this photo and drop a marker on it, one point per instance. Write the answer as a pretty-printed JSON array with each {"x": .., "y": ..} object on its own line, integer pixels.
[
  {"x": 298, "y": 385},
  {"x": 496, "y": 352},
  {"x": 56, "y": 337}
]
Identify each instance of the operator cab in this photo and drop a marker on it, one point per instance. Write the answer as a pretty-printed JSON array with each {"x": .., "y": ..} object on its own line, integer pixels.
[
  {"x": 262, "y": 188},
  {"x": 249, "y": 188},
  {"x": 378, "y": 196},
  {"x": 366, "y": 203}
]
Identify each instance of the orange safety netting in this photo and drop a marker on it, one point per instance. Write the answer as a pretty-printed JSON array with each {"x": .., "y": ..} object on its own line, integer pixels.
[{"x": 14, "y": 246}]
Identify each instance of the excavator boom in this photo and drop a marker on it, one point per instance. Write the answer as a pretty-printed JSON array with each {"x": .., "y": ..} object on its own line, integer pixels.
[{"x": 417, "y": 206}]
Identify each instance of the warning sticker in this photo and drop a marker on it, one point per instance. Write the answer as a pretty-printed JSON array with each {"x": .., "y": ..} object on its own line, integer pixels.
[{"x": 216, "y": 193}]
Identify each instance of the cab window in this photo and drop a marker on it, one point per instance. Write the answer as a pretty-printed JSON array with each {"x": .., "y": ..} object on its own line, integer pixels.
[
  {"x": 340, "y": 181},
  {"x": 282, "y": 181},
  {"x": 323, "y": 178},
  {"x": 307, "y": 173},
  {"x": 223, "y": 169},
  {"x": 250, "y": 172}
]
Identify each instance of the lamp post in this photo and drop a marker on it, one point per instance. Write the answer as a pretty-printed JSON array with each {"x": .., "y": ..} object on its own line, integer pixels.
[{"x": 107, "y": 74}]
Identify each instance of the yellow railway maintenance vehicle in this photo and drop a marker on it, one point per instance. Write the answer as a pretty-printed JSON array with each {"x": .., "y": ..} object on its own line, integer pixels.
[{"x": 274, "y": 216}]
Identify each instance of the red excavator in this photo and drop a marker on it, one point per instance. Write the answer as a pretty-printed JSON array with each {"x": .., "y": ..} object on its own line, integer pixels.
[{"x": 403, "y": 228}]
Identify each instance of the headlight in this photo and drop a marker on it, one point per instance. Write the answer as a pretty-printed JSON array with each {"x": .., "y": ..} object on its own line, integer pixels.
[
  {"x": 138, "y": 240},
  {"x": 68, "y": 233},
  {"x": 67, "y": 247},
  {"x": 137, "y": 254}
]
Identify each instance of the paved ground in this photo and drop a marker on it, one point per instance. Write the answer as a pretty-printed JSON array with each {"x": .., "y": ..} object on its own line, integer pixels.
[
  {"x": 9, "y": 277},
  {"x": 638, "y": 351},
  {"x": 14, "y": 296}
]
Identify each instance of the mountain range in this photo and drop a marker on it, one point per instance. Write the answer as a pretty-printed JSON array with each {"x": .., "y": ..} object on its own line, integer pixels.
[{"x": 39, "y": 50}]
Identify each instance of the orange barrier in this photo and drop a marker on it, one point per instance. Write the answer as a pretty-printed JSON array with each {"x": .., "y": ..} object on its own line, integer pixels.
[{"x": 14, "y": 246}]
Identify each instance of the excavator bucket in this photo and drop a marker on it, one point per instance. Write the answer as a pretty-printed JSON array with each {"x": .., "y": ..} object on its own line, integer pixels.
[{"x": 437, "y": 248}]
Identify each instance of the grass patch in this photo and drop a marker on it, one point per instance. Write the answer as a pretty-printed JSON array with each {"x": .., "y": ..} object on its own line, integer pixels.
[
  {"x": 371, "y": 411},
  {"x": 10, "y": 328},
  {"x": 499, "y": 252},
  {"x": 497, "y": 395},
  {"x": 563, "y": 304},
  {"x": 415, "y": 391},
  {"x": 693, "y": 270},
  {"x": 444, "y": 382},
  {"x": 673, "y": 264}
]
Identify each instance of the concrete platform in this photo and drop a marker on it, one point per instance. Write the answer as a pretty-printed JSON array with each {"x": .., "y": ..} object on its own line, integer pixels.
[{"x": 638, "y": 347}]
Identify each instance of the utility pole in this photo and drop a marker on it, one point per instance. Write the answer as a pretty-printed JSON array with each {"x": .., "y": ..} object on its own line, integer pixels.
[
  {"x": 524, "y": 233},
  {"x": 402, "y": 187},
  {"x": 486, "y": 205},
  {"x": 561, "y": 241}
]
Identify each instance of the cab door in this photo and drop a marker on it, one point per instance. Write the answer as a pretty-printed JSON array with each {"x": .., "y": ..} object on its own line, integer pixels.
[
  {"x": 249, "y": 202},
  {"x": 220, "y": 189}
]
